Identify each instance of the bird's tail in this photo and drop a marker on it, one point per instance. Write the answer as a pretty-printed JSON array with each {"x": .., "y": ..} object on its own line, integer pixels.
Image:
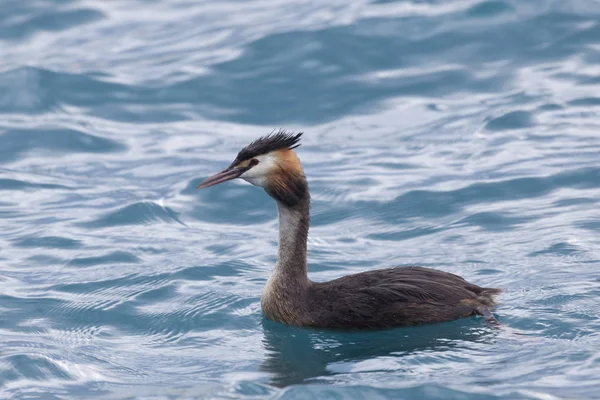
[
  {"x": 487, "y": 315},
  {"x": 487, "y": 296}
]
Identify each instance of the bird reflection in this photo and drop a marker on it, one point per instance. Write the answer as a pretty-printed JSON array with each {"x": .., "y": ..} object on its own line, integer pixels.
[{"x": 295, "y": 355}]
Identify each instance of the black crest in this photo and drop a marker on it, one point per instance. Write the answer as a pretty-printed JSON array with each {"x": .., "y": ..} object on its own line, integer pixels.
[{"x": 269, "y": 143}]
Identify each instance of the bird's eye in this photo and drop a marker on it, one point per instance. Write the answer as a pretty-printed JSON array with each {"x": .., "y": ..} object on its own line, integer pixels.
[{"x": 253, "y": 162}]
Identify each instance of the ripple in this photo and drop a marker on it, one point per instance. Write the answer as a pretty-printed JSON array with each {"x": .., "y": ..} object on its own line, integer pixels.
[
  {"x": 172, "y": 320},
  {"x": 494, "y": 222},
  {"x": 49, "y": 242},
  {"x": 162, "y": 307},
  {"x": 78, "y": 335},
  {"x": 208, "y": 272},
  {"x": 558, "y": 249},
  {"x": 17, "y": 184},
  {"x": 591, "y": 225},
  {"x": 27, "y": 19},
  {"x": 116, "y": 257},
  {"x": 588, "y": 101},
  {"x": 432, "y": 203},
  {"x": 18, "y": 143},
  {"x": 140, "y": 213},
  {"x": 427, "y": 391},
  {"x": 33, "y": 366},
  {"x": 574, "y": 202},
  {"x": 511, "y": 120},
  {"x": 488, "y": 9},
  {"x": 33, "y": 90},
  {"x": 404, "y": 235},
  {"x": 21, "y": 90}
]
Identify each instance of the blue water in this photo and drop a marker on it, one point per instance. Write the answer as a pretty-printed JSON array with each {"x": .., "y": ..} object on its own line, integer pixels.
[{"x": 462, "y": 135}]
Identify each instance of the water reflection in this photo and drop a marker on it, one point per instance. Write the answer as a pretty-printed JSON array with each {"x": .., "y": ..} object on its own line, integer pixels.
[{"x": 295, "y": 355}]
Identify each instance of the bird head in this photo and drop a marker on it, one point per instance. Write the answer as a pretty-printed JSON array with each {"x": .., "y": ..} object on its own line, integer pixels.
[{"x": 271, "y": 163}]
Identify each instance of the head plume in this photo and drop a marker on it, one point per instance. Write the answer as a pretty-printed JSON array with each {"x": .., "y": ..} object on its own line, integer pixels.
[{"x": 275, "y": 141}]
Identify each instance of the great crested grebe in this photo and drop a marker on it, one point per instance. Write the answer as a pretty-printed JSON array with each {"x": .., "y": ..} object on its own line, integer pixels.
[{"x": 381, "y": 298}]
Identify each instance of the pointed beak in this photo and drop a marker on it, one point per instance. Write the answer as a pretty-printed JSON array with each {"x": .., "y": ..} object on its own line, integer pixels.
[{"x": 223, "y": 176}]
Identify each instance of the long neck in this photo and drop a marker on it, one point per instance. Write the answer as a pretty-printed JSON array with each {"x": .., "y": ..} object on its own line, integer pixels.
[{"x": 293, "y": 234}]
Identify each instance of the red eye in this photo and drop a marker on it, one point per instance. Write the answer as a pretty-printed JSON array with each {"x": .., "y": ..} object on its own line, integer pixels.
[{"x": 253, "y": 162}]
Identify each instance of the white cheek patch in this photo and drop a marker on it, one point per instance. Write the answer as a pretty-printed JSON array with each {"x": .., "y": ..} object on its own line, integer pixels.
[{"x": 257, "y": 175}]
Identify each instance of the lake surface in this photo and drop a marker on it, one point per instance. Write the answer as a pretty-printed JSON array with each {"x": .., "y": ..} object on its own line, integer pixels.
[{"x": 458, "y": 135}]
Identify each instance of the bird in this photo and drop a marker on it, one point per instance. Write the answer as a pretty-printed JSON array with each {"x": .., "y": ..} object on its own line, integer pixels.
[{"x": 374, "y": 299}]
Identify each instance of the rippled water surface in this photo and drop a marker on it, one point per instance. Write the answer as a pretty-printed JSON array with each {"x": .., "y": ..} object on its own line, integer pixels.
[{"x": 462, "y": 135}]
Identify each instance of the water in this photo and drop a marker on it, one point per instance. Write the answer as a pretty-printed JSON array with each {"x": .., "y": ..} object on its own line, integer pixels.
[{"x": 459, "y": 135}]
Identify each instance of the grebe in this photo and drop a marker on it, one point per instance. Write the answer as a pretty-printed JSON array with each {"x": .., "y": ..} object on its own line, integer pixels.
[{"x": 383, "y": 298}]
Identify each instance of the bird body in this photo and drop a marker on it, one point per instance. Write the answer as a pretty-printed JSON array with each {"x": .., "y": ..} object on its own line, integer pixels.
[
  {"x": 400, "y": 296},
  {"x": 382, "y": 298}
]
